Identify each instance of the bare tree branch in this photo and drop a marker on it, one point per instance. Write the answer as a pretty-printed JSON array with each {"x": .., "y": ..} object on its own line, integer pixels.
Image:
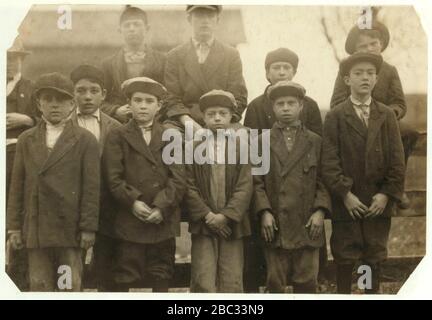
[{"x": 329, "y": 38}]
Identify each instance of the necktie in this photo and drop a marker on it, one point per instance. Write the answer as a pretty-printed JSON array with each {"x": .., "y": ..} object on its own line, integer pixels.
[
  {"x": 203, "y": 51},
  {"x": 364, "y": 108}
]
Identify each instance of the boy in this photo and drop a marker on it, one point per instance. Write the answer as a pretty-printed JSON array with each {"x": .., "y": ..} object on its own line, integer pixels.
[
  {"x": 200, "y": 65},
  {"x": 145, "y": 190},
  {"x": 218, "y": 201},
  {"x": 280, "y": 64},
  {"x": 388, "y": 89},
  {"x": 363, "y": 167},
  {"x": 54, "y": 200},
  {"x": 135, "y": 59},
  {"x": 290, "y": 200},
  {"x": 90, "y": 92}
]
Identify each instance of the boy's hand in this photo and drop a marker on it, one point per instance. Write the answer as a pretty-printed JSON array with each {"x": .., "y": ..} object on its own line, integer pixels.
[
  {"x": 354, "y": 206},
  {"x": 225, "y": 232},
  {"x": 217, "y": 221},
  {"x": 268, "y": 226},
  {"x": 379, "y": 203},
  {"x": 16, "y": 120},
  {"x": 123, "y": 112},
  {"x": 316, "y": 223},
  {"x": 87, "y": 239},
  {"x": 141, "y": 210},
  {"x": 155, "y": 216},
  {"x": 16, "y": 240}
]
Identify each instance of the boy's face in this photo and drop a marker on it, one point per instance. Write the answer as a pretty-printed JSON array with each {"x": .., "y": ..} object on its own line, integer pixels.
[
  {"x": 54, "y": 105},
  {"x": 203, "y": 22},
  {"x": 279, "y": 71},
  {"x": 367, "y": 44},
  {"x": 144, "y": 107},
  {"x": 88, "y": 95},
  {"x": 134, "y": 31},
  {"x": 217, "y": 117},
  {"x": 287, "y": 109},
  {"x": 362, "y": 78}
]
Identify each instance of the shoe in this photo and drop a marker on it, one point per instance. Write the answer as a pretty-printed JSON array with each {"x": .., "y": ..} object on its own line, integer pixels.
[{"x": 405, "y": 202}]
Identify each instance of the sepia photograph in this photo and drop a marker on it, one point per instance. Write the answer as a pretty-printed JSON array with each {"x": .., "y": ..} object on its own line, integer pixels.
[{"x": 187, "y": 148}]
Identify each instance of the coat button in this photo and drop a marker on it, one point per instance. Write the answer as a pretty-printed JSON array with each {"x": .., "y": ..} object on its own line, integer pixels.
[
  {"x": 154, "y": 167},
  {"x": 377, "y": 149},
  {"x": 155, "y": 185}
]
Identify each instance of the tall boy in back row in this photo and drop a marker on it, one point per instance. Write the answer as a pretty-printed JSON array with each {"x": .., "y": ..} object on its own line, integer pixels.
[{"x": 363, "y": 167}]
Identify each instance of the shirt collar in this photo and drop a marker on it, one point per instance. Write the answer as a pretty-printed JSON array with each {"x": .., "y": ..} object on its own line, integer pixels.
[
  {"x": 281, "y": 125},
  {"x": 196, "y": 43},
  {"x": 358, "y": 103},
  {"x": 51, "y": 126},
  {"x": 148, "y": 126},
  {"x": 95, "y": 114}
]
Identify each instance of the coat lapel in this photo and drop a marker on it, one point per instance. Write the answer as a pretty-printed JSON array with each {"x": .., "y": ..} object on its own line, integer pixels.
[
  {"x": 39, "y": 150},
  {"x": 301, "y": 145},
  {"x": 214, "y": 59},
  {"x": 278, "y": 146},
  {"x": 134, "y": 137},
  {"x": 375, "y": 122},
  {"x": 65, "y": 142},
  {"x": 354, "y": 121},
  {"x": 193, "y": 68}
]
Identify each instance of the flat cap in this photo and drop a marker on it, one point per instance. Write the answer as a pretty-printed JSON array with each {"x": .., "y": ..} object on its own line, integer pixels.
[
  {"x": 190, "y": 8},
  {"x": 282, "y": 55},
  {"x": 355, "y": 32},
  {"x": 219, "y": 98},
  {"x": 347, "y": 63},
  {"x": 132, "y": 13},
  {"x": 286, "y": 88},
  {"x": 143, "y": 84},
  {"x": 86, "y": 71},
  {"x": 55, "y": 81}
]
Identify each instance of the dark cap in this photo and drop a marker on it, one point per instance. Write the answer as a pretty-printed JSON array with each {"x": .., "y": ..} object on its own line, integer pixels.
[
  {"x": 133, "y": 13},
  {"x": 286, "y": 89},
  {"x": 55, "y": 81},
  {"x": 355, "y": 32},
  {"x": 347, "y": 63},
  {"x": 143, "y": 84},
  {"x": 86, "y": 71},
  {"x": 219, "y": 98},
  {"x": 282, "y": 55},
  {"x": 191, "y": 8}
]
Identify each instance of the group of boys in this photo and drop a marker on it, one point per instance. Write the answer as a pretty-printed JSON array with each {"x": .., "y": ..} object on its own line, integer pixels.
[{"x": 82, "y": 179}]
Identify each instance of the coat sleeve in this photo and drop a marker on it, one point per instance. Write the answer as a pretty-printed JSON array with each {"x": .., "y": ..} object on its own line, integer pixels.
[
  {"x": 396, "y": 95},
  {"x": 173, "y": 105},
  {"x": 197, "y": 208},
  {"x": 89, "y": 209},
  {"x": 340, "y": 91},
  {"x": 174, "y": 190},
  {"x": 239, "y": 203},
  {"x": 260, "y": 201},
  {"x": 16, "y": 209},
  {"x": 393, "y": 184},
  {"x": 313, "y": 120},
  {"x": 332, "y": 172},
  {"x": 113, "y": 169},
  {"x": 251, "y": 117},
  {"x": 236, "y": 83},
  {"x": 322, "y": 197},
  {"x": 112, "y": 101}
]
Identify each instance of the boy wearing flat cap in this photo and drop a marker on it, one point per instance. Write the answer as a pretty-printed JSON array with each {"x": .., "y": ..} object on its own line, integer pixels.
[
  {"x": 90, "y": 92},
  {"x": 290, "y": 201},
  {"x": 145, "y": 190},
  {"x": 53, "y": 206},
  {"x": 135, "y": 59},
  {"x": 363, "y": 167},
  {"x": 200, "y": 65},
  {"x": 217, "y": 200},
  {"x": 280, "y": 65},
  {"x": 388, "y": 89}
]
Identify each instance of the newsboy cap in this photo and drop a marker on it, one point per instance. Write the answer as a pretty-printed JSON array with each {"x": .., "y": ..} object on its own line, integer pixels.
[
  {"x": 347, "y": 63},
  {"x": 219, "y": 98},
  {"x": 55, "y": 81},
  {"x": 86, "y": 71},
  {"x": 286, "y": 88},
  {"x": 190, "y": 8},
  {"x": 355, "y": 32},
  {"x": 145, "y": 85},
  {"x": 282, "y": 55},
  {"x": 132, "y": 13}
]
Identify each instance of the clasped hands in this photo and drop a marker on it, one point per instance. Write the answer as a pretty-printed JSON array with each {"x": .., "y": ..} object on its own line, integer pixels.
[
  {"x": 147, "y": 215},
  {"x": 218, "y": 223},
  {"x": 359, "y": 210}
]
